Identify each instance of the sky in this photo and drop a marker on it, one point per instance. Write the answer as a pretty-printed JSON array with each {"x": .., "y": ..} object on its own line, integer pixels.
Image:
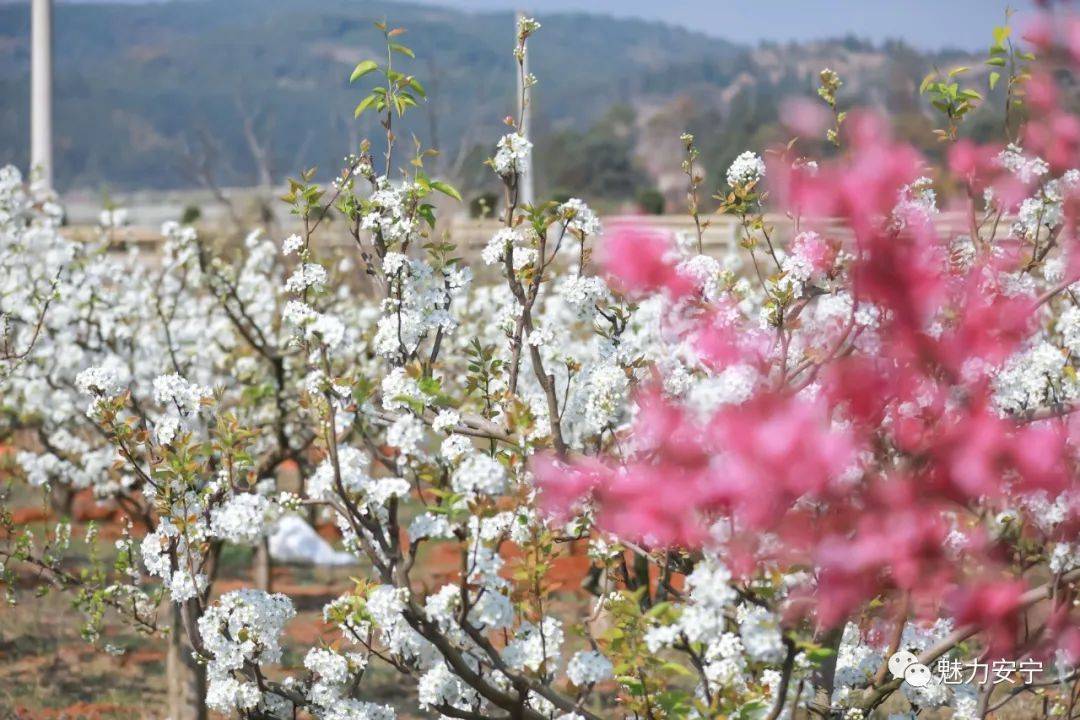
[
  {"x": 929, "y": 24},
  {"x": 925, "y": 24}
]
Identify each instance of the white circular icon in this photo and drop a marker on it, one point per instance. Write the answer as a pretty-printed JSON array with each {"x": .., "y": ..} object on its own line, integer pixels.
[
  {"x": 900, "y": 661},
  {"x": 917, "y": 675}
]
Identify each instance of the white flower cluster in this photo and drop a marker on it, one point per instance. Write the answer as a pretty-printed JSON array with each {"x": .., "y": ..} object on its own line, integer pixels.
[
  {"x": 731, "y": 647},
  {"x": 244, "y": 519},
  {"x": 1026, "y": 168},
  {"x": 399, "y": 389},
  {"x": 418, "y": 303},
  {"x": 607, "y": 387},
  {"x": 166, "y": 551},
  {"x": 588, "y": 667},
  {"x": 918, "y": 202},
  {"x": 745, "y": 169},
  {"x": 292, "y": 244},
  {"x": 707, "y": 273},
  {"x": 446, "y": 420},
  {"x": 98, "y": 381},
  {"x": 580, "y": 218},
  {"x": 242, "y": 629},
  {"x": 308, "y": 275},
  {"x": 1035, "y": 378},
  {"x": 582, "y": 293},
  {"x": 406, "y": 434},
  {"x": 511, "y": 239},
  {"x": 760, "y": 633},
  {"x": 477, "y": 475},
  {"x": 535, "y": 646},
  {"x": 439, "y": 686},
  {"x": 329, "y": 692},
  {"x": 316, "y": 326},
  {"x": 114, "y": 218},
  {"x": 390, "y": 213},
  {"x": 427, "y": 525},
  {"x": 100, "y": 384},
  {"x": 511, "y": 153},
  {"x": 352, "y": 467},
  {"x": 1045, "y": 209},
  {"x": 175, "y": 393}
]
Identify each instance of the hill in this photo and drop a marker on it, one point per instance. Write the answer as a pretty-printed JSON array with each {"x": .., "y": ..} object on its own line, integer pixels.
[{"x": 156, "y": 95}]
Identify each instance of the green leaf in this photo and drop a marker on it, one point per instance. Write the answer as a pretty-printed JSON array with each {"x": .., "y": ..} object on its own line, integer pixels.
[
  {"x": 676, "y": 669},
  {"x": 428, "y": 214},
  {"x": 994, "y": 77},
  {"x": 398, "y": 47},
  {"x": 364, "y": 105},
  {"x": 363, "y": 69},
  {"x": 816, "y": 653},
  {"x": 925, "y": 84},
  {"x": 446, "y": 189},
  {"x": 430, "y": 385},
  {"x": 996, "y": 62},
  {"x": 752, "y": 709}
]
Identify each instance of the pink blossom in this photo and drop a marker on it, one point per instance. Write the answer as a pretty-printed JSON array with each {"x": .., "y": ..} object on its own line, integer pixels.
[
  {"x": 992, "y": 606},
  {"x": 566, "y": 485},
  {"x": 639, "y": 261},
  {"x": 774, "y": 450},
  {"x": 1072, "y": 37},
  {"x": 753, "y": 460},
  {"x": 815, "y": 250},
  {"x": 716, "y": 340},
  {"x": 897, "y": 542},
  {"x": 804, "y": 117},
  {"x": 975, "y": 164},
  {"x": 877, "y": 468}
]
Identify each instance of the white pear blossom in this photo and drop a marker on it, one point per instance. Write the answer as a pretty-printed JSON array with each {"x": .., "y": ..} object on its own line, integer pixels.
[
  {"x": 745, "y": 169},
  {"x": 511, "y": 153}
]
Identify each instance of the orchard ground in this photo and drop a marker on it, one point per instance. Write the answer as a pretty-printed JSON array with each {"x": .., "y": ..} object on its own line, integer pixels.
[{"x": 49, "y": 672}]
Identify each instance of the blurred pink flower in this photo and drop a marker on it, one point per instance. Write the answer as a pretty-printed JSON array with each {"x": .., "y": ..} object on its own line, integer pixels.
[
  {"x": 992, "y": 606},
  {"x": 638, "y": 259}
]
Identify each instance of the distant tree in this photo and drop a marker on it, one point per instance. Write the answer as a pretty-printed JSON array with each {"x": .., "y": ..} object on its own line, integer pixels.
[
  {"x": 651, "y": 201},
  {"x": 597, "y": 164},
  {"x": 483, "y": 205}
]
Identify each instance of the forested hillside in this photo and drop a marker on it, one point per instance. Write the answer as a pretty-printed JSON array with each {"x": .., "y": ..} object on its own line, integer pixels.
[{"x": 160, "y": 95}]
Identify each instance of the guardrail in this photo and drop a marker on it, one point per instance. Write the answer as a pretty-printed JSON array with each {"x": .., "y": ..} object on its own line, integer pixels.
[{"x": 471, "y": 235}]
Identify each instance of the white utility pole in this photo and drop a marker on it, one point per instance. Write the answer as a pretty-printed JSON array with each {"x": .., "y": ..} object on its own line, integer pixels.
[
  {"x": 41, "y": 77},
  {"x": 526, "y": 195}
]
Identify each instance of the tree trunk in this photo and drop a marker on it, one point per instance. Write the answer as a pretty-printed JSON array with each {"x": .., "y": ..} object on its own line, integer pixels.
[
  {"x": 185, "y": 679},
  {"x": 263, "y": 566},
  {"x": 825, "y": 675}
]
